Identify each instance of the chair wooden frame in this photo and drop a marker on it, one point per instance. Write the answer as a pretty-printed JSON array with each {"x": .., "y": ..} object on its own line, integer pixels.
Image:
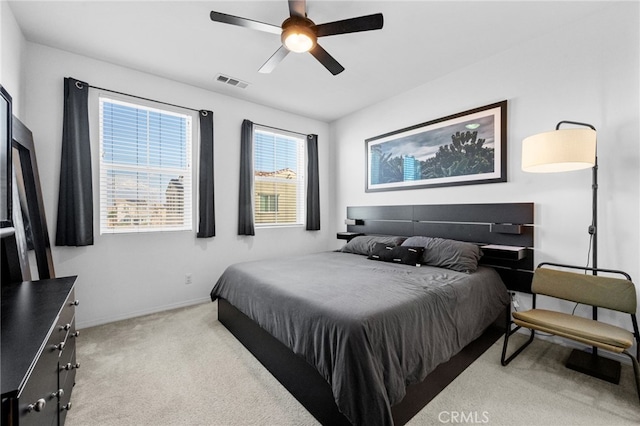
[{"x": 509, "y": 322}]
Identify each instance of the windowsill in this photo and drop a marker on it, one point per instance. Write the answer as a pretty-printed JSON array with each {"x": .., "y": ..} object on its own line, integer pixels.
[{"x": 273, "y": 226}]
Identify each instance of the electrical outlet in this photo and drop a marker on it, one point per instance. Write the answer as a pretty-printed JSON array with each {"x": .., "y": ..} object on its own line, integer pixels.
[
  {"x": 514, "y": 300},
  {"x": 187, "y": 278}
]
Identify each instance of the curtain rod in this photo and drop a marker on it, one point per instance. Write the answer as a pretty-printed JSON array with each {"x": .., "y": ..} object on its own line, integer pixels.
[
  {"x": 180, "y": 106},
  {"x": 282, "y": 130},
  {"x": 140, "y": 97}
]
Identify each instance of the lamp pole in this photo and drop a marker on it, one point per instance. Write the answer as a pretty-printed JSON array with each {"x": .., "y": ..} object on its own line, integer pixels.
[
  {"x": 594, "y": 365},
  {"x": 593, "y": 228}
]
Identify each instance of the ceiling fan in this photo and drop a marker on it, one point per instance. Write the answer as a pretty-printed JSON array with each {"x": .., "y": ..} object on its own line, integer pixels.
[{"x": 300, "y": 34}]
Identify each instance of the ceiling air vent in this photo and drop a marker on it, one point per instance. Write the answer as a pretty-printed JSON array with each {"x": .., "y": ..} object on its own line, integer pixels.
[{"x": 231, "y": 81}]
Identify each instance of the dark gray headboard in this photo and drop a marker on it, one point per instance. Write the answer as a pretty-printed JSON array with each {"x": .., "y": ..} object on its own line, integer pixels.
[{"x": 509, "y": 224}]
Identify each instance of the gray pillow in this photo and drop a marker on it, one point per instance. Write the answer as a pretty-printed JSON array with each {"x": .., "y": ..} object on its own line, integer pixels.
[
  {"x": 364, "y": 244},
  {"x": 456, "y": 255}
]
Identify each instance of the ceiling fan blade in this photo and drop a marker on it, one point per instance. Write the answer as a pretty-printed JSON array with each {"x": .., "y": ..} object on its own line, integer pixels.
[
  {"x": 244, "y": 22},
  {"x": 274, "y": 60},
  {"x": 327, "y": 60},
  {"x": 352, "y": 25},
  {"x": 298, "y": 8}
]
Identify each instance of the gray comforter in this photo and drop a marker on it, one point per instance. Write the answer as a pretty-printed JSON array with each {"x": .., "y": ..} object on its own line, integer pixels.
[{"x": 370, "y": 328}]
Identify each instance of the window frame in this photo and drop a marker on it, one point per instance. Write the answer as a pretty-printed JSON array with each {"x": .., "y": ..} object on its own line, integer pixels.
[
  {"x": 190, "y": 155},
  {"x": 301, "y": 180}
]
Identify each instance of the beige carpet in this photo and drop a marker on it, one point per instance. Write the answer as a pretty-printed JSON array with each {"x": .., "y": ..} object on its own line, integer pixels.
[{"x": 182, "y": 367}]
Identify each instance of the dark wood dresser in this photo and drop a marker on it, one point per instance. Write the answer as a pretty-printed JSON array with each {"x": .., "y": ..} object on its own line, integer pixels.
[{"x": 38, "y": 351}]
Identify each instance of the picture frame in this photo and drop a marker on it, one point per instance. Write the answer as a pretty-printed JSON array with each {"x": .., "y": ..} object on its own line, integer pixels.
[
  {"x": 466, "y": 148},
  {"x": 6, "y": 195}
]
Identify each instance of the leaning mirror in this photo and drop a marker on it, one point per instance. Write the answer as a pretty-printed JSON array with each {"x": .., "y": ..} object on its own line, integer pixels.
[
  {"x": 5, "y": 159},
  {"x": 32, "y": 236}
]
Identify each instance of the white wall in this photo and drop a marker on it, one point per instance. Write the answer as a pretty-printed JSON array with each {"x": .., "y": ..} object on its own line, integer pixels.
[
  {"x": 12, "y": 44},
  {"x": 587, "y": 72},
  {"x": 127, "y": 275}
]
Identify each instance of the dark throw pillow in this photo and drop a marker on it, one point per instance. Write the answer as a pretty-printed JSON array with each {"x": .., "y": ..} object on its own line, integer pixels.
[{"x": 397, "y": 254}]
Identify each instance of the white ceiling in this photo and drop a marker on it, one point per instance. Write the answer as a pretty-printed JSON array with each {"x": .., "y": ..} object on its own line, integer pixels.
[{"x": 420, "y": 42}]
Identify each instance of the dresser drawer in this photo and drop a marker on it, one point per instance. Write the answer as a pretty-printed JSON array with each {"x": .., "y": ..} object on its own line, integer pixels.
[
  {"x": 67, "y": 379},
  {"x": 68, "y": 369},
  {"x": 69, "y": 341},
  {"x": 65, "y": 320},
  {"x": 38, "y": 401}
]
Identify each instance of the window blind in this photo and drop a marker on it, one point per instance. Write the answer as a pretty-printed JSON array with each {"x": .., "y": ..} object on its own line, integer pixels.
[
  {"x": 145, "y": 169},
  {"x": 279, "y": 178}
]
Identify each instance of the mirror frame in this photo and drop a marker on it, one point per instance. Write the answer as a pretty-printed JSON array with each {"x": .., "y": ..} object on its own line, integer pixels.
[
  {"x": 23, "y": 144},
  {"x": 5, "y": 146}
]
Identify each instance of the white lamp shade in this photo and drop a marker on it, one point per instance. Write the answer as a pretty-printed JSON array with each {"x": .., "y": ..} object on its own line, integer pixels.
[{"x": 561, "y": 150}]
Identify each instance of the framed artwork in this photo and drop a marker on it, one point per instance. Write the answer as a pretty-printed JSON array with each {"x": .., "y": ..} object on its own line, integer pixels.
[{"x": 461, "y": 149}]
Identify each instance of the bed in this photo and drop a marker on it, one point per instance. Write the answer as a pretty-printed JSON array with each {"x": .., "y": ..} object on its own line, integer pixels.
[{"x": 367, "y": 331}]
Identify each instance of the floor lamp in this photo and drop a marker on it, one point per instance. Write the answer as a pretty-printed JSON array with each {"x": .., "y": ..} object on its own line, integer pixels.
[{"x": 564, "y": 150}]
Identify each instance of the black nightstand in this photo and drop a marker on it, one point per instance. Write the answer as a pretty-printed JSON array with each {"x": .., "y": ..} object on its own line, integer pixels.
[{"x": 348, "y": 235}]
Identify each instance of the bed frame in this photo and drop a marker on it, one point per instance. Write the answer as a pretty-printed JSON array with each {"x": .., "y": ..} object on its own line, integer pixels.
[{"x": 509, "y": 224}]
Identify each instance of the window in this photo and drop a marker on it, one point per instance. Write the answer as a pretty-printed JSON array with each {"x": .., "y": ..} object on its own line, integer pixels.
[
  {"x": 145, "y": 169},
  {"x": 268, "y": 203},
  {"x": 279, "y": 177}
]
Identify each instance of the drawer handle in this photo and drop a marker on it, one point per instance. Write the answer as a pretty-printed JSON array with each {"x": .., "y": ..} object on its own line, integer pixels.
[
  {"x": 37, "y": 406},
  {"x": 58, "y": 394},
  {"x": 59, "y": 346},
  {"x": 74, "y": 303},
  {"x": 66, "y": 407},
  {"x": 65, "y": 327},
  {"x": 76, "y": 334},
  {"x": 70, "y": 366}
]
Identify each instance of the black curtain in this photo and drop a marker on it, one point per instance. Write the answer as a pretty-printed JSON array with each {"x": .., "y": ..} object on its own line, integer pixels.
[
  {"x": 313, "y": 184},
  {"x": 207, "y": 222},
  {"x": 75, "y": 197},
  {"x": 245, "y": 207}
]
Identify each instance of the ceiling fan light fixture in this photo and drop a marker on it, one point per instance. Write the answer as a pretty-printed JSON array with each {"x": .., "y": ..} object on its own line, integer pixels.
[
  {"x": 298, "y": 42},
  {"x": 297, "y": 35}
]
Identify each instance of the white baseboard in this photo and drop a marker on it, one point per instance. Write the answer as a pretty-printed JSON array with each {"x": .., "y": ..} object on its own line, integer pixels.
[{"x": 106, "y": 320}]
